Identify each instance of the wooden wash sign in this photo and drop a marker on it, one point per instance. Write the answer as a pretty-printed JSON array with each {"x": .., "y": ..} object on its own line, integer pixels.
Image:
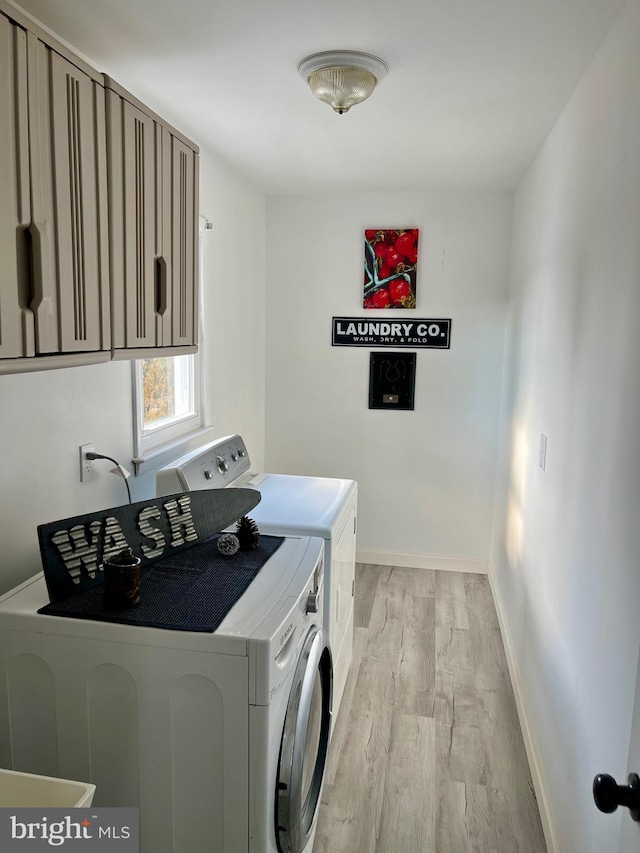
[{"x": 73, "y": 550}]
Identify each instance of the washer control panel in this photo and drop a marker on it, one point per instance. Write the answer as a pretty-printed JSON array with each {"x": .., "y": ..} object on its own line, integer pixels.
[{"x": 213, "y": 466}]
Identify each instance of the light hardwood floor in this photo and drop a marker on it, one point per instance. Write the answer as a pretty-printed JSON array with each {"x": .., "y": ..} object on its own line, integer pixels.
[{"x": 427, "y": 754}]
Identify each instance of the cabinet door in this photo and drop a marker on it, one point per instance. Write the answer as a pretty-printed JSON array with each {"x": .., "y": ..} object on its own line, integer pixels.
[
  {"x": 16, "y": 318},
  {"x": 342, "y": 581},
  {"x": 153, "y": 199},
  {"x": 164, "y": 234},
  {"x": 69, "y": 206},
  {"x": 184, "y": 254},
  {"x": 132, "y": 207}
]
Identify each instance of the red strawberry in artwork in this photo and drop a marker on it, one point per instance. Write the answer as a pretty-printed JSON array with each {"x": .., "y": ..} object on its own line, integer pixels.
[
  {"x": 381, "y": 298},
  {"x": 381, "y": 249},
  {"x": 399, "y": 291},
  {"x": 394, "y": 257},
  {"x": 406, "y": 242},
  {"x": 412, "y": 256}
]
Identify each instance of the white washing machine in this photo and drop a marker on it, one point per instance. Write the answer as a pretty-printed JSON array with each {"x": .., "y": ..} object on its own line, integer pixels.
[
  {"x": 301, "y": 506},
  {"x": 220, "y": 738}
]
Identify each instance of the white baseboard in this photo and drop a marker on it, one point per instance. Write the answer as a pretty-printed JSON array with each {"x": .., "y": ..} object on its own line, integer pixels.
[
  {"x": 422, "y": 561},
  {"x": 535, "y": 765}
]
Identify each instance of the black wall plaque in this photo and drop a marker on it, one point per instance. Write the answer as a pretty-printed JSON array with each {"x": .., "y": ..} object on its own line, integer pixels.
[
  {"x": 389, "y": 332},
  {"x": 73, "y": 549},
  {"x": 392, "y": 380}
]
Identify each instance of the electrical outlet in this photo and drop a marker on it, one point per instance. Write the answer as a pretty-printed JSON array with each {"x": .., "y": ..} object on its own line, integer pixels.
[{"x": 86, "y": 465}]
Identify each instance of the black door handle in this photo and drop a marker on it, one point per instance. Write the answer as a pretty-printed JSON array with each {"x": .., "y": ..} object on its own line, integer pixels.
[{"x": 609, "y": 795}]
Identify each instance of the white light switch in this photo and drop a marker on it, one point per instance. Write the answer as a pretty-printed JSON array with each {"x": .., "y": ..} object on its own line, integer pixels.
[{"x": 543, "y": 451}]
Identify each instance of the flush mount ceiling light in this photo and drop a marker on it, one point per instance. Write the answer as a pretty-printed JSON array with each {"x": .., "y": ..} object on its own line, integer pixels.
[{"x": 342, "y": 78}]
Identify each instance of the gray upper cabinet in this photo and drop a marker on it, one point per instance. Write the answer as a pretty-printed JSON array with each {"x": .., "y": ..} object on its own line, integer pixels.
[
  {"x": 17, "y": 325},
  {"x": 69, "y": 205},
  {"x": 184, "y": 228},
  {"x": 54, "y": 297},
  {"x": 153, "y": 178},
  {"x": 98, "y": 213}
]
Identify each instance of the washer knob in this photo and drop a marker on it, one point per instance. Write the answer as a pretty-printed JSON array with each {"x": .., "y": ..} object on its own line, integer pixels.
[
  {"x": 208, "y": 473},
  {"x": 242, "y": 453},
  {"x": 234, "y": 458},
  {"x": 223, "y": 465},
  {"x": 313, "y": 602}
]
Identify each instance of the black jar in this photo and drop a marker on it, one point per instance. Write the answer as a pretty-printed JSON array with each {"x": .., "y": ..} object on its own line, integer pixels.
[{"x": 122, "y": 581}]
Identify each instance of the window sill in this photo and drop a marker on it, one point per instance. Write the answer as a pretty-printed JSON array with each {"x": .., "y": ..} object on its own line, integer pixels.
[{"x": 158, "y": 456}]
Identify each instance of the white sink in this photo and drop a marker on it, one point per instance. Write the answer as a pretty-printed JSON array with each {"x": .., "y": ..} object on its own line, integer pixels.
[{"x": 26, "y": 790}]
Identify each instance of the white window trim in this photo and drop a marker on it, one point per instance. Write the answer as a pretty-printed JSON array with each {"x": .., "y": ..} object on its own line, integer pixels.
[{"x": 150, "y": 444}]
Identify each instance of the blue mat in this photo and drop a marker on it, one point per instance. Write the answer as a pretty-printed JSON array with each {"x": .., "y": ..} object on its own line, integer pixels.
[{"x": 190, "y": 591}]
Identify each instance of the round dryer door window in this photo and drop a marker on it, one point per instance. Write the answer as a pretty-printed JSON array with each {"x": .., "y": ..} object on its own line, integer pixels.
[{"x": 305, "y": 743}]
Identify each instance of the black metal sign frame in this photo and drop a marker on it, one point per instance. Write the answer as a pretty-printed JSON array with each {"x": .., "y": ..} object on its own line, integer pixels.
[{"x": 389, "y": 332}]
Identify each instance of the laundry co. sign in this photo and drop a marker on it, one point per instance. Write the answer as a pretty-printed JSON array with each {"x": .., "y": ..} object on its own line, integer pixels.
[{"x": 363, "y": 332}]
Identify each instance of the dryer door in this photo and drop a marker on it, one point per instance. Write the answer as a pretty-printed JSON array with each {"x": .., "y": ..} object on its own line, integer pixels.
[{"x": 305, "y": 742}]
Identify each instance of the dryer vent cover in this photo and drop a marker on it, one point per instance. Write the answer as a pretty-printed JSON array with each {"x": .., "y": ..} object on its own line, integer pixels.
[{"x": 392, "y": 380}]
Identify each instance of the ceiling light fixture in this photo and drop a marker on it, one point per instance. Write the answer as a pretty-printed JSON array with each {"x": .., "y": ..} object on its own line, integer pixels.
[{"x": 342, "y": 78}]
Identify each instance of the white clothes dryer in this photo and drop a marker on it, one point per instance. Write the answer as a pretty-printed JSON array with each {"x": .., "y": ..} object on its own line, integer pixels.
[
  {"x": 220, "y": 738},
  {"x": 290, "y": 505}
]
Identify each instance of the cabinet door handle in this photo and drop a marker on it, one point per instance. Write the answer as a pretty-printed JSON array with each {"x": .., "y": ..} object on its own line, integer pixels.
[
  {"x": 36, "y": 281},
  {"x": 43, "y": 303},
  {"x": 42, "y": 282},
  {"x": 25, "y": 265},
  {"x": 24, "y": 252},
  {"x": 161, "y": 286}
]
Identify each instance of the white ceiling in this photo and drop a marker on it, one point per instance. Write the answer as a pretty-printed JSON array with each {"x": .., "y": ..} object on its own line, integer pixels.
[{"x": 473, "y": 88}]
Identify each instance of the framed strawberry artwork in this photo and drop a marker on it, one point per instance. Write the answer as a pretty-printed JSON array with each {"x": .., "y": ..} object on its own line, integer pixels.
[{"x": 390, "y": 261}]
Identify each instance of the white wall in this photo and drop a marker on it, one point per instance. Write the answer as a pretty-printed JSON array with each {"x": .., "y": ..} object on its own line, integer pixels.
[
  {"x": 566, "y": 549},
  {"x": 426, "y": 477},
  {"x": 44, "y": 417},
  {"x": 234, "y": 338}
]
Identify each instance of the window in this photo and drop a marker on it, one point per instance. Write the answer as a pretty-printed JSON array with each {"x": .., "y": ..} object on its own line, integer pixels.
[
  {"x": 167, "y": 394},
  {"x": 168, "y": 400},
  {"x": 168, "y": 390}
]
